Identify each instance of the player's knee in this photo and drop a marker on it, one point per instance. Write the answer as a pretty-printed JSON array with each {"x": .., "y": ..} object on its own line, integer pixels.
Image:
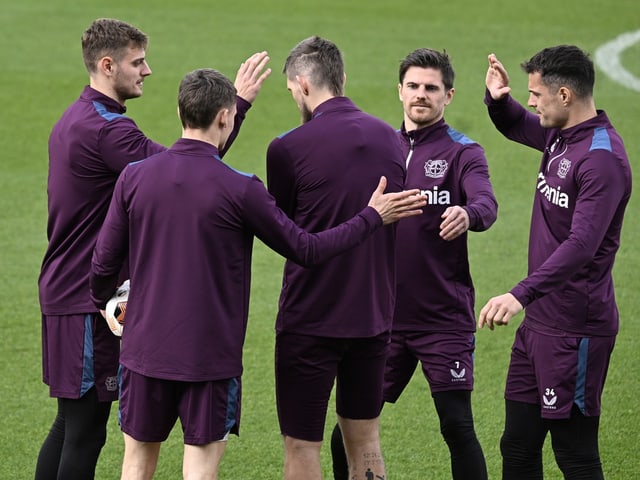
[
  {"x": 90, "y": 441},
  {"x": 86, "y": 437},
  {"x": 579, "y": 463},
  {"x": 575, "y": 446},
  {"x": 456, "y": 424},
  {"x": 519, "y": 455},
  {"x": 360, "y": 432},
  {"x": 512, "y": 446},
  {"x": 457, "y": 431}
]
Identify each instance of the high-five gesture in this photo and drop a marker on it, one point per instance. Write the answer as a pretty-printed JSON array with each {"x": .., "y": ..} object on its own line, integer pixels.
[
  {"x": 555, "y": 377},
  {"x": 251, "y": 75},
  {"x": 497, "y": 80}
]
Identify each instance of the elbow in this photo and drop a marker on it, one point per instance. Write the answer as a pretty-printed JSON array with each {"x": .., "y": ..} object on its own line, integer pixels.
[
  {"x": 490, "y": 220},
  {"x": 485, "y": 218},
  {"x": 307, "y": 262},
  {"x": 492, "y": 214}
]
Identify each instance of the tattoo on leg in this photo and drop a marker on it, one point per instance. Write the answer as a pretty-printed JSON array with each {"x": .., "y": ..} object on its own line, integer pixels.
[
  {"x": 373, "y": 460},
  {"x": 370, "y": 475}
]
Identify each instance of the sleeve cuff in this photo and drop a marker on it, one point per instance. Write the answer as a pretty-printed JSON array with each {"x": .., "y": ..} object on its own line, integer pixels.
[{"x": 242, "y": 105}]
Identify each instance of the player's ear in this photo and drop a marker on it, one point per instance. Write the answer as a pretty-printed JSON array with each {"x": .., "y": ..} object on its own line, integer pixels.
[
  {"x": 303, "y": 83},
  {"x": 449, "y": 96},
  {"x": 566, "y": 95},
  {"x": 222, "y": 117},
  {"x": 106, "y": 66}
]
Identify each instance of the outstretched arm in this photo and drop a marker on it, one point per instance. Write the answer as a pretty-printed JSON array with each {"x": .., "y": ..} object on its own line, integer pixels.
[
  {"x": 271, "y": 225},
  {"x": 397, "y": 205}
]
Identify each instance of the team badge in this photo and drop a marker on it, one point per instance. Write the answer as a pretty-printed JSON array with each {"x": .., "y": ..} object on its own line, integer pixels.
[
  {"x": 111, "y": 383},
  {"x": 435, "y": 168},
  {"x": 563, "y": 167}
]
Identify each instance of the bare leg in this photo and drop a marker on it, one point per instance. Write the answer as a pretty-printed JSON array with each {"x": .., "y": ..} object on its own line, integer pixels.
[
  {"x": 140, "y": 459},
  {"x": 362, "y": 445},
  {"x": 201, "y": 462},
  {"x": 301, "y": 459}
]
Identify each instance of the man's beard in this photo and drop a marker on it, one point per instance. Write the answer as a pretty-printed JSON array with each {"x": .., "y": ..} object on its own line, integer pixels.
[{"x": 305, "y": 113}]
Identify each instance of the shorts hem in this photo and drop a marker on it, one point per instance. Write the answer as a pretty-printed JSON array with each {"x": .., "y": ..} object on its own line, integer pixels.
[
  {"x": 454, "y": 387},
  {"x": 143, "y": 438},
  {"x": 62, "y": 394}
]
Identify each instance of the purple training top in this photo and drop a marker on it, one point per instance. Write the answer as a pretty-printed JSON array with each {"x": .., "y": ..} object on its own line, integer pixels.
[
  {"x": 187, "y": 220},
  {"x": 582, "y": 189},
  {"x": 321, "y": 173},
  {"x": 435, "y": 291},
  {"x": 88, "y": 148}
]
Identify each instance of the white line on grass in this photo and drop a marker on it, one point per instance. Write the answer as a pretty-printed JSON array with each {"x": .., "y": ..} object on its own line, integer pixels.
[{"x": 607, "y": 57}]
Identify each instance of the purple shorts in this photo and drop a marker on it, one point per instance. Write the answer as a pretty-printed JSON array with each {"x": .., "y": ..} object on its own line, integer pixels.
[
  {"x": 446, "y": 358},
  {"x": 149, "y": 408},
  {"x": 306, "y": 368},
  {"x": 558, "y": 372},
  {"x": 78, "y": 352}
]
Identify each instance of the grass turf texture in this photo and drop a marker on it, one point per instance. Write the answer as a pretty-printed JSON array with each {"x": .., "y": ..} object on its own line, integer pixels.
[{"x": 42, "y": 73}]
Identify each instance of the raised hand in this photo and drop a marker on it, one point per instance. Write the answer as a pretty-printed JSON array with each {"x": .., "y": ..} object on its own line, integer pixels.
[
  {"x": 497, "y": 79},
  {"x": 251, "y": 75}
]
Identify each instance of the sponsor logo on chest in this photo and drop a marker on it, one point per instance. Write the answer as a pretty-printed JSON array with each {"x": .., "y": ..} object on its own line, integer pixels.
[
  {"x": 554, "y": 195},
  {"x": 435, "y": 196},
  {"x": 562, "y": 165}
]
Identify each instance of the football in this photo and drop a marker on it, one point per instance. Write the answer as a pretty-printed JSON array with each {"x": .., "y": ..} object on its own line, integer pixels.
[{"x": 117, "y": 308}]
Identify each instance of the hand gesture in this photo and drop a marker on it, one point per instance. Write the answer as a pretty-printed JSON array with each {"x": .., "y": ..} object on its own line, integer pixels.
[
  {"x": 394, "y": 206},
  {"x": 497, "y": 79},
  {"x": 455, "y": 223},
  {"x": 499, "y": 310},
  {"x": 250, "y": 76}
]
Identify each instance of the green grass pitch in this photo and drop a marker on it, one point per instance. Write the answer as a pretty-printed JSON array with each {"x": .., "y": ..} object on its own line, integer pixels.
[{"x": 42, "y": 73}]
